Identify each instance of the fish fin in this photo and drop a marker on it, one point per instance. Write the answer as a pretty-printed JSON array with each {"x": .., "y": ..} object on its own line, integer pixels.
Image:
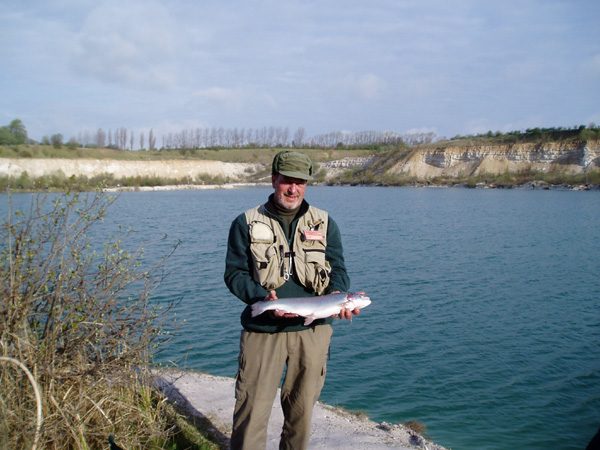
[
  {"x": 308, "y": 321},
  {"x": 257, "y": 309}
]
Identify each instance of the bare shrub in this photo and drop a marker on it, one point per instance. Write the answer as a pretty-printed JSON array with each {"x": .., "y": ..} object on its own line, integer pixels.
[{"x": 78, "y": 316}]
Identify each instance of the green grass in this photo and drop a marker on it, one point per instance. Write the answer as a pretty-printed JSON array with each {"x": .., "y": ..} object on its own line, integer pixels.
[{"x": 251, "y": 155}]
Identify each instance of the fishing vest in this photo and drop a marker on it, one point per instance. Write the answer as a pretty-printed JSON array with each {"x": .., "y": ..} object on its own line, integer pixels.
[{"x": 274, "y": 261}]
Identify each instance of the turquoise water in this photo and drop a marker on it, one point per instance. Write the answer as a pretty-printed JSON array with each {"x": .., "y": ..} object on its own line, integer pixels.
[{"x": 485, "y": 322}]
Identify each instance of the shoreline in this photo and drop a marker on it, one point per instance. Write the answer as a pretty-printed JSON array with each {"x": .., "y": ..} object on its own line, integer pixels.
[
  {"x": 183, "y": 187},
  {"x": 532, "y": 185},
  {"x": 211, "y": 398}
]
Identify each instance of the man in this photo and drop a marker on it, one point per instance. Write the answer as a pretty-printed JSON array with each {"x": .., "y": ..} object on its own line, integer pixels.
[{"x": 284, "y": 248}]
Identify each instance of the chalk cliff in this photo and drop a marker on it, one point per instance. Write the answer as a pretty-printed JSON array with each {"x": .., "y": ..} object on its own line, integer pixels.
[
  {"x": 571, "y": 157},
  {"x": 174, "y": 169}
]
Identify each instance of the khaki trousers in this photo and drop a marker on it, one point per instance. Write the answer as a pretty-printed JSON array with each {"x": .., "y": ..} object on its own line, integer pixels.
[{"x": 262, "y": 360}]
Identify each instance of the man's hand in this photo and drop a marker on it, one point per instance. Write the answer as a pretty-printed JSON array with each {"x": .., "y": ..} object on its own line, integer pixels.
[
  {"x": 347, "y": 313},
  {"x": 277, "y": 313}
]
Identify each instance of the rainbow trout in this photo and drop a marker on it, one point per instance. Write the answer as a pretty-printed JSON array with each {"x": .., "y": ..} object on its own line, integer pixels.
[{"x": 313, "y": 308}]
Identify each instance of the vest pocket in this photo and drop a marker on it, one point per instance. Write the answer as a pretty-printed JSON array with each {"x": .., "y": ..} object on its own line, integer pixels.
[
  {"x": 264, "y": 254},
  {"x": 265, "y": 265},
  {"x": 317, "y": 269}
]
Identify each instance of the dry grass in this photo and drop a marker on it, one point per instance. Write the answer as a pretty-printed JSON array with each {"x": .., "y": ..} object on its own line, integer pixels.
[
  {"x": 416, "y": 426},
  {"x": 77, "y": 324}
]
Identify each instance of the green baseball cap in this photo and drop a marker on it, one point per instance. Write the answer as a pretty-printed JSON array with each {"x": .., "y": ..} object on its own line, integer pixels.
[{"x": 293, "y": 164}]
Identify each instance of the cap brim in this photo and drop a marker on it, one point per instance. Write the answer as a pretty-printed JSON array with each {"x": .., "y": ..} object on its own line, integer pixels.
[{"x": 300, "y": 175}]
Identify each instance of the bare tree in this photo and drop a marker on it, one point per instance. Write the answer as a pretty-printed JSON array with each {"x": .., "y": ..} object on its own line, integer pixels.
[
  {"x": 151, "y": 140},
  {"x": 122, "y": 138},
  {"x": 299, "y": 137},
  {"x": 84, "y": 138},
  {"x": 100, "y": 138},
  {"x": 141, "y": 140}
]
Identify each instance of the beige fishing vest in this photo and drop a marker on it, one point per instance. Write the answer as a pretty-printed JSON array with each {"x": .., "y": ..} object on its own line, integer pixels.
[{"x": 273, "y": 261}]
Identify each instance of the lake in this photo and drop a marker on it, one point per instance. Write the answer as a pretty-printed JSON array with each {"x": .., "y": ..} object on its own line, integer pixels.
[{"x": 485, "y": 321}]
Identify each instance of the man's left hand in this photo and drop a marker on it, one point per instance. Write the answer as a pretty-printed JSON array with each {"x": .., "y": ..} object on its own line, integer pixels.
[{"x": 347, "y": 313}]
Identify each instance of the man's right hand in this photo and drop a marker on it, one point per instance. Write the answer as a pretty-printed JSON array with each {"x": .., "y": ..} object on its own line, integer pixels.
[{"x": 277, "y": 313}]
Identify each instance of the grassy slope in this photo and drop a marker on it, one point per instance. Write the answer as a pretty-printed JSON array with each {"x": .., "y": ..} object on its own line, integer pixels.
[{"x": 262, "y": 155}]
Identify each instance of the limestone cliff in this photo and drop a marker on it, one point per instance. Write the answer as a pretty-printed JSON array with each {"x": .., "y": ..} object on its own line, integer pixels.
[
  {"x": 572, "y": 157},
  {"x": 173, "y": 169}
]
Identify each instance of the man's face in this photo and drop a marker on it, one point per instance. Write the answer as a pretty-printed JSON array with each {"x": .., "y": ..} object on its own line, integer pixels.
[{"x": 289, "y": 192}]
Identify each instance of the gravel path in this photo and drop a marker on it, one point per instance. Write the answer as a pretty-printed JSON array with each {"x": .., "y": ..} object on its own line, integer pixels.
[{"x": 212, "y": 398}]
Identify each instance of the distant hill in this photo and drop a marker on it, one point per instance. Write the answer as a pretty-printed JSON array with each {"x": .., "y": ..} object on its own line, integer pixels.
[{"x": 457, "y": 161}]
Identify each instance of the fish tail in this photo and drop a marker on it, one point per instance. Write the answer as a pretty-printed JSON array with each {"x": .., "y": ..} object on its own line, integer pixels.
[{"x": 258, "y": 308}]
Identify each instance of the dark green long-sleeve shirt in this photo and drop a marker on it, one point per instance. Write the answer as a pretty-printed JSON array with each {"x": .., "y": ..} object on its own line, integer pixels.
[{"x": 239, "y": 280}]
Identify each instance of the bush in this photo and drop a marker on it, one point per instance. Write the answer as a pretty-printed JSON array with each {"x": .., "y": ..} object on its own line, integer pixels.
[{"x": 80, "y": 320}]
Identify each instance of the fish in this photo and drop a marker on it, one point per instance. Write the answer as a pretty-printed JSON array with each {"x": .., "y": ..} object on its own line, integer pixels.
[{"x": 312, "y": 308}]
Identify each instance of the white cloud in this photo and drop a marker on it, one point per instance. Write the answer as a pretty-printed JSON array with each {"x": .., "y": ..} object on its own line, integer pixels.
[
  {"x": 365, "y": 87},
  {"x": 370, "y": 86},
  {"x": 456, "y": 67},
  {"x": 422, "y": 130},
  {"x": 129, "y": 43},
  {"x": 229, "y": 98}
]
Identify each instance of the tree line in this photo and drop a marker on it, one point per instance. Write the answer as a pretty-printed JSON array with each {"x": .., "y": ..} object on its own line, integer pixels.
[
  {"x": 271, "y": 137},
  {"x": 217, "y": 137},
  {"x": 548, "y": 134}
]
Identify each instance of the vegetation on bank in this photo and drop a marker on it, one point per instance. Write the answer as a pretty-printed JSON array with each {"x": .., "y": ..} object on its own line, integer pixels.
[
  {"x": 200, "y": 142},
  {"x": 505, "y": 180},
  {"x": 530, "y": 135},
  {"x": 376, "y": 174},
  {"x": 78, "y": 333},
  {"x": 261, "y": 155},
  {"x": 59, "y": 182},
  {"x": 390, "y": 149}
]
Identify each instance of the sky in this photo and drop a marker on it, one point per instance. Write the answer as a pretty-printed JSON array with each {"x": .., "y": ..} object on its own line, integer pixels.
[{"x": 451, "y": 67}]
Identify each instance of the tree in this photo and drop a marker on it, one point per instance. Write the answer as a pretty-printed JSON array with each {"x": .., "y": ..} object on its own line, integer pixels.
[
  {"x": 151, "y": 140},
  {"x": 18, "y": 130},
  {"x": 13, "y": 134},
  {"x": 100, "y": 138},
  {"x": 6, "y": 137},
  {"x": 121, "y": 138},
  {"x": 72, "y": 144},
  {"x": 56, "y": 140},
  {"x": 141, "y": 140}
]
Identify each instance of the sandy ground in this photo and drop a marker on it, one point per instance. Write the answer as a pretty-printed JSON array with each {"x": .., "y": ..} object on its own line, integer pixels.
[{"x": 212, "y": 398}]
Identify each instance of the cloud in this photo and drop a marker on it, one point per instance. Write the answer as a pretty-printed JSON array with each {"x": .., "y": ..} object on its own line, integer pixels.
[
  {"x": 370, "y": 86},
  {"x": 229, "y": 98},
  {"x": 456, "y": 67},
  {"x": 422, "y": 130},
  {"x": 127, "y": 43},
  {"x": 365, "y": 87}
]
